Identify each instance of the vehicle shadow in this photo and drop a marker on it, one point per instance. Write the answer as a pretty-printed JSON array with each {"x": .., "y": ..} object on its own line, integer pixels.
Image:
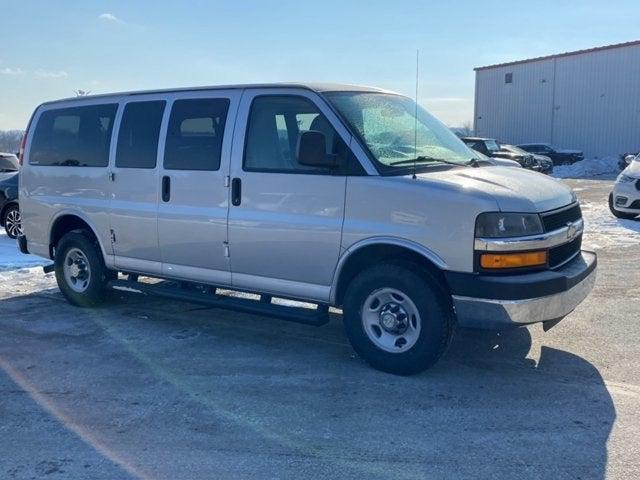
[
  {"x": 191, "y": 392},
  {"x": 548, "y": 412}
]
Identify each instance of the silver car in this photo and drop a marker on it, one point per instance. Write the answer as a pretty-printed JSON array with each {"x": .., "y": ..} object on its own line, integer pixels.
[{"x": 335, "y": 195}]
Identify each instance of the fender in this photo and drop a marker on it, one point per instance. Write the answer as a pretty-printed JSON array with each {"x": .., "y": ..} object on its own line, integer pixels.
[
  {"x": 400, "y": 242},
  {"x": 108, "y": 257}
]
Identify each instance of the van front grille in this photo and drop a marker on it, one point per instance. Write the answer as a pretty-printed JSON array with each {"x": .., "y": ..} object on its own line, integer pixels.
[
  {"x": 559, "y": 218},
  {"x": 560, "y": 254}
]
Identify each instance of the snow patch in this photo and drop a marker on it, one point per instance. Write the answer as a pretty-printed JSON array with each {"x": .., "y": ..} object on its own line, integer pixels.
[
  {"x": 589, "y": 167},
  {"x": 603, "y": 230},
  {"x": 11, "y": 258}
]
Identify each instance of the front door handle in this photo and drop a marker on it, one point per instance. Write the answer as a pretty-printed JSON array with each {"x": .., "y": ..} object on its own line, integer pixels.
[
  {"x": 166, "y": 188},
  {"x": 236, "y": 192}
]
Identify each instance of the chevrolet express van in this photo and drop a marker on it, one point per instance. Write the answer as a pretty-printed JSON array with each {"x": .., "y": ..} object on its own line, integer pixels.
[{"x": 334, "y": 195}]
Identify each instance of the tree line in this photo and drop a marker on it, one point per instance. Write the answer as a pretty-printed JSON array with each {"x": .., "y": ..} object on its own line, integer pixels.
[{"x": 10, "y": 140}]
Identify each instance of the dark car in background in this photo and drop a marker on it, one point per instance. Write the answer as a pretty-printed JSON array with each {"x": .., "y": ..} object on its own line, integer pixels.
[
  {"x": 557, "y": 155},
  {"x": 545, "y": 164},
  {"x": 9, "y": 211},
  {"x": 491, "y": 148}
]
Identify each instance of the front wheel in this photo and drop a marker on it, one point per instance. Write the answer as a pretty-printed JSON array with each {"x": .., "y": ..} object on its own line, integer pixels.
[
  {"x": 619, "y": 214},
  {"x": 80, "y": 270},
  {"x": 398, "y": 319},
  {"x": 12, "y": 221}
]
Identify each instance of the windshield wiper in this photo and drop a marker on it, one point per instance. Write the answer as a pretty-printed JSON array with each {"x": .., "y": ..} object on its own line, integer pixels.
[
  {"x": 423, "y": 159},
  {"x": 474, "y": 162}
]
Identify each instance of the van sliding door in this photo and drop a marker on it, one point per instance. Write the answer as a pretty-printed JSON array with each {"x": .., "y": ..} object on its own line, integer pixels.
[{"x": 193, "y": 203}]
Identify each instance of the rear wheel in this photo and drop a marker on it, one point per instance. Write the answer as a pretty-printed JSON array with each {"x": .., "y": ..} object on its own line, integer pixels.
[
  {"x": 12, "y": 221},
  {"x": 80, "y": 270},
  {"x": 399, "y": 320},
  {"x": 617, "y": 213}
]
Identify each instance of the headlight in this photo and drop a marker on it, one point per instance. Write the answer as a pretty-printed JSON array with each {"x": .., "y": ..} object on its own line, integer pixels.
[
  {"x": 498, "y": 225},
  {"x": 624, "y": 179}
]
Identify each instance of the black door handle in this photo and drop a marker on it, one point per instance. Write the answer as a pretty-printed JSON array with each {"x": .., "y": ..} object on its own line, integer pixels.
[
  {"x": 236, "y": 191},
  {"x": 166, "y": 188}
]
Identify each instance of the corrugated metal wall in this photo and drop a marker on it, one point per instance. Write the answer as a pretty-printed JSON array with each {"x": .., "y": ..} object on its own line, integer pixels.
[{"x": 589, "y": 101}]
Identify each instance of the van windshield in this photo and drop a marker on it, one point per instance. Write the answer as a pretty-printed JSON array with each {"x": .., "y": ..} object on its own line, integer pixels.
[{"x": 387, "y": 125}]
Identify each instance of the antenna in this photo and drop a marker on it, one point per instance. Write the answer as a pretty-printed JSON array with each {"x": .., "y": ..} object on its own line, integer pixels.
[{"x": 415, "y": 119}]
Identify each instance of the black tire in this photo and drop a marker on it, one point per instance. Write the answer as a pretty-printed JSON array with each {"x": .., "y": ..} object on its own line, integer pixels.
[
  {"x": 94, "y": 292},
  {"x": 618, "y": 214},
  {"x": 9, "y": 221},
  {"x": 433, "y": 304}
]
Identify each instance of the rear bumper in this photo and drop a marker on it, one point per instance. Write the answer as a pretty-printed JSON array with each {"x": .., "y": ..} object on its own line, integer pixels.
[{"x": 484, "y": 301}]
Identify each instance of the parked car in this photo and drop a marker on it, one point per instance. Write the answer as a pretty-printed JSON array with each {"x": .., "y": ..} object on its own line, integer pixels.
[
  {"x": 364, "y": 206},
  {"x": 544, "y": 164},
  {"x": 626, "y": 159},
  {"x": 558, "y": 156},
  {"x": 8, "y": 162},
  {"x": 624, "y": 200},
  {"x": 9, "y": 211},
  {"x": 491, "y": 148}
]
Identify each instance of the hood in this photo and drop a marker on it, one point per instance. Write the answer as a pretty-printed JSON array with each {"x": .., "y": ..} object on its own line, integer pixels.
[
  {"x": 633, "y": 169},
  {"x": 513, "y": 189},
  {"x": 543, "y": 158}
]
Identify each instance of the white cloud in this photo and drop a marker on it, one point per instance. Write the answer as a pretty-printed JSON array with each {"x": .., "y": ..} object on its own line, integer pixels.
[
  {"x": 47, "y": 74},
  {"x": 110, "y": 17},
  {"x": 11, "y": 71}
]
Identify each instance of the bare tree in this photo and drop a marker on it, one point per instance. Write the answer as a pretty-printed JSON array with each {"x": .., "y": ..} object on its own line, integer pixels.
[
  {"x": 82, "y": 93},
  {"x": 467, "y": 129}
]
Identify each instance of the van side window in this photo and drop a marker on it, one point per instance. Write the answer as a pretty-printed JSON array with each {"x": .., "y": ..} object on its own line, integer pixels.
[
  {"x": 139, "y": 133},
  {"x": 73, "y": 137},
  {"x": 275, "y": 123},
  {"x": 195, "y": 133}
]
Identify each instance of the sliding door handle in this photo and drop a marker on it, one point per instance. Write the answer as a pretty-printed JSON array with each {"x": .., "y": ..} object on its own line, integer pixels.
[
  {"x": 166, "y": 188},
  {"x": 236, "y": 192}
]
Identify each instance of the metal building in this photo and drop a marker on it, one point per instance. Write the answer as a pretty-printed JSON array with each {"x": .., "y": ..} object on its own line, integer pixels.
[{"x": 587, "y": 100}]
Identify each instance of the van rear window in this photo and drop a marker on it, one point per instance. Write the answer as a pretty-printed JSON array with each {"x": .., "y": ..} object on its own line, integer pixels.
[{"x": 73, "y": 137}]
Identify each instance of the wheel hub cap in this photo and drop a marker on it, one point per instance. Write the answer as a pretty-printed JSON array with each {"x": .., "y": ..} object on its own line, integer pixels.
[
  {"x": 393, "y": 318},
  {"x": 76, "y": 270}
]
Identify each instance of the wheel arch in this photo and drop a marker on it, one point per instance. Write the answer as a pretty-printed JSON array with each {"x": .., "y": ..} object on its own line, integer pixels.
[
  {"x": 67, "y": 221},
  {"x": 373, "y": 250}
]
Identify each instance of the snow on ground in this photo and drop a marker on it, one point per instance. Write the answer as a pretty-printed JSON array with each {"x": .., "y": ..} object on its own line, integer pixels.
[
  {"x": 12, "y": 259},
  {"x": 19, "y": 273},
  {"x": 587, "y": 168},
  {"x": 603, "y": 230}
]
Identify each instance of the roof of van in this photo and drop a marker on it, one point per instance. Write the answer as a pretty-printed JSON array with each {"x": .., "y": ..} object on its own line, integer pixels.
[{"x": 316, "y": 87}]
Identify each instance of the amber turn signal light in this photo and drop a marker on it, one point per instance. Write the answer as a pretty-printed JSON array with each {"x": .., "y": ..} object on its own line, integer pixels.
[{"x": 513, "y": 260}]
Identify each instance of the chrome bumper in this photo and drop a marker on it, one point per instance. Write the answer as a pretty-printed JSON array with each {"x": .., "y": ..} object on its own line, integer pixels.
[{"x": 497, "y": 313}]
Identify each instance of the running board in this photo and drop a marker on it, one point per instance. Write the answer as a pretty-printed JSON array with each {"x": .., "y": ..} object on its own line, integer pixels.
[{"x": 205, "y": 295}]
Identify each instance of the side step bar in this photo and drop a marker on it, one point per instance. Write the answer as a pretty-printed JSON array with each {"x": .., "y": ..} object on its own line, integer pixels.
[{"x": 207, "y": 296}]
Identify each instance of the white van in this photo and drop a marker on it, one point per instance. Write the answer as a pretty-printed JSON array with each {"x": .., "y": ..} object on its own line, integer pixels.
[{"x": 331, "y": 194}]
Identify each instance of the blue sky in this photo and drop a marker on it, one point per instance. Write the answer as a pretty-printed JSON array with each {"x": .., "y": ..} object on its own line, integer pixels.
[{"x": 48, "y": 49}]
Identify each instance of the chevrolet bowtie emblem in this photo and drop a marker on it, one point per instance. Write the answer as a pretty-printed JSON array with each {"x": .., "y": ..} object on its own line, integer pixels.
[{"x": 572, "y": 230}]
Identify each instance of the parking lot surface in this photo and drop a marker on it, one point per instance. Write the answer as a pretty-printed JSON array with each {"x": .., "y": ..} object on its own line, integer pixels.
[{"x": 155, "y": 389}]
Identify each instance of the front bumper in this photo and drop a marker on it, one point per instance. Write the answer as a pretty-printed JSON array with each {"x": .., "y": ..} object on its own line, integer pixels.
[
  {"x": 626, "y": 196},
  {"x": 498, "y": 301}
]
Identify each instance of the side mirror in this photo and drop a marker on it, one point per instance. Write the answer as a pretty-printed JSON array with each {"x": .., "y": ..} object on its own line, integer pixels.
[{"x": 312, "y": 150}]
